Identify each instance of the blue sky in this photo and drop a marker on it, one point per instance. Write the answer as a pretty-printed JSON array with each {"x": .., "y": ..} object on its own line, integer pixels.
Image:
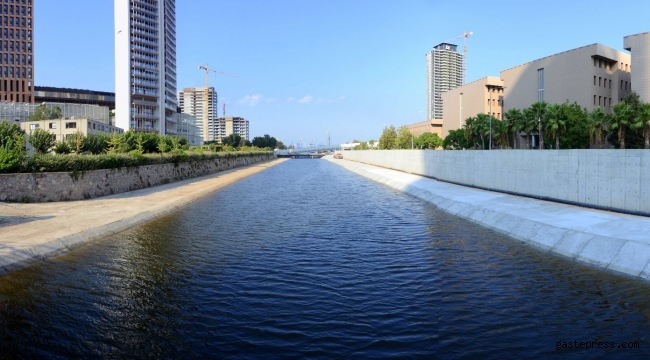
[{"x": 307, "y": 67}]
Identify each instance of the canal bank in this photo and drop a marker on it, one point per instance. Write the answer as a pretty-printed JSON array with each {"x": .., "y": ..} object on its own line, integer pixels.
[
  {"x": 609, "y": 240},
  {"x": 35, "y": 232}
]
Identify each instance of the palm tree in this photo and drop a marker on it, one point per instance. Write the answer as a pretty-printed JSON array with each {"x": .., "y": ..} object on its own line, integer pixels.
[
  {"x": 642, "y": 120},
  {"x": 556, "y": 121},
  {"x": 539, "y": 108},
  {"x": 597, "y": 124},
  {"x": 528, "y": 124},
  {"x": 622, "y": 118},
  {"x": 512, "y": 120},
  {"x": 482, "y": 127},
  {"x": 469, "y": 130}
]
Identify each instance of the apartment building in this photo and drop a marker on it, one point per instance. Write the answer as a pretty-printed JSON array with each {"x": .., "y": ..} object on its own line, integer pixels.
[
  {"x": 593, "y": 76},
  {"x": 192, "y": 101},
  {"x": 483, "y": 96},
  {"x": 189, "y": 127},
  {"x": 639, "y": 47},
  {"x": 230, "y": 125},
  {"x": 17, "y": 51},
  {"x": 444, "y": 72},
  {"x": 145, "y": 65}
]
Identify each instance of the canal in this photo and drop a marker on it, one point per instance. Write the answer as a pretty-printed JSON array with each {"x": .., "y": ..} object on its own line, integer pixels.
[{"x": 307, "y": 260}]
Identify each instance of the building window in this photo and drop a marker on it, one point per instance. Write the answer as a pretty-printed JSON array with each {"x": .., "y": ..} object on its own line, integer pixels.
[
  {"x": 33, "y": 126},
  {"x": 621, "y": 84},
  {"x": 52, "y": 125},
  {"x": 600, "y": 81},
  {"x": 71, "y": 125},
  {"x": 594, "y": 99},
  {"x": 594, "y": 80},
  {"x": 610, "y": 83},
  {"x": 540, "y": 85}
]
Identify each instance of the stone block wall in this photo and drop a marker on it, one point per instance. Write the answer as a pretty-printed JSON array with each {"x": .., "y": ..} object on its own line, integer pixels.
[
  {"x": 604, "y": 179},
  {"x": 65, "y": 186}
]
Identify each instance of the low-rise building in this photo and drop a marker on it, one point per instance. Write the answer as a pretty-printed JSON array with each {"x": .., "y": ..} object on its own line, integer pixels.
[
  {"x": 65, "y": 128},
  {"x": 481, "y": 96},
  {"x": 639, "y": 47}
]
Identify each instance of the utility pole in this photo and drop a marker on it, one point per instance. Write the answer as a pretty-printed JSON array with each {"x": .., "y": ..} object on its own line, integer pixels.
[{"x": 207, "y": 93}]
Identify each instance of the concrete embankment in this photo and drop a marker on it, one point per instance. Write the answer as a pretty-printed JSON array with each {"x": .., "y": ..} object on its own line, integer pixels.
[
  {"x": 614, "y": 241},
  {"x": 34, "y": 232}
]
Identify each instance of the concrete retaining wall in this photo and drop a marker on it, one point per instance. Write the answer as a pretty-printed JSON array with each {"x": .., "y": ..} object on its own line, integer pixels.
[
  {"x": 64, "y": 186},
  {"x": 604, "y": 179}
]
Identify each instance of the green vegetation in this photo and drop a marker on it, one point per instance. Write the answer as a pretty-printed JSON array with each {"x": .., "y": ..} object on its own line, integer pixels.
[
  {"x": 43, "y": 113},
  {"x": 100, "y": 151},
  {"x": 266, "y": 141}
]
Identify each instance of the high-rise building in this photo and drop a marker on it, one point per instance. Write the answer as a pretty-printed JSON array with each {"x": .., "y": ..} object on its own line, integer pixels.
[
  {"x": 225, "y": 126},
  {"x": 17, "y": 57},
  {"x": 444, "y": 72},
  {"x": 192, "y": 101},
  {"x": 145, "y": 65}
]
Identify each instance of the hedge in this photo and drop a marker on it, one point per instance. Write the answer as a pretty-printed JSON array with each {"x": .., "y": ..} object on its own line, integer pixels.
[{"x": 63, "y": 163}]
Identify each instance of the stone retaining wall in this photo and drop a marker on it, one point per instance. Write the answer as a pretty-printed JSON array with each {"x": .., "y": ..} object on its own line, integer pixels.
[
  {"x": 603, "y": 179},
  {"x": 64, "y": 186}
]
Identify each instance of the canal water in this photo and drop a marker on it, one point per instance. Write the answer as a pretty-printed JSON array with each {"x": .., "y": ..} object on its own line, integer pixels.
[{"x": 307, "y": 260}]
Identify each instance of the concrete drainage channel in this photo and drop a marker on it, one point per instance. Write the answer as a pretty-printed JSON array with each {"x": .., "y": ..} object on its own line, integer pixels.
[{"x": 612, "y": 241}]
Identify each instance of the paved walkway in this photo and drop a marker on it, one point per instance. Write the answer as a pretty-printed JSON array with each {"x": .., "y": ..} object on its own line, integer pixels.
[
  {"x": 32, "y": 232},
  {"x": 610, "y": 240}
]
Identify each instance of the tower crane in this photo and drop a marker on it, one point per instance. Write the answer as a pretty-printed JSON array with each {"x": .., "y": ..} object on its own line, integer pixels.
[
  {"x": 464, "y": 36},
  {"x": 207, "y": 93}
]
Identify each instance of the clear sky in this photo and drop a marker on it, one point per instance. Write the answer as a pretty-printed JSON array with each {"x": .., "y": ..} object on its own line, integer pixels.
[{"x": 307, "y": 67}]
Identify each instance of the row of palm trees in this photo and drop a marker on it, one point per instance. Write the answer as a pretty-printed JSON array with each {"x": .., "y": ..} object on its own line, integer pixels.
[{"x": 551, "y": 121}]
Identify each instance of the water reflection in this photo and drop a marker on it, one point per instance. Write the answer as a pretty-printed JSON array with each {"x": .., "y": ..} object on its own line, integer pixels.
[{"x": 308, "y": 260}]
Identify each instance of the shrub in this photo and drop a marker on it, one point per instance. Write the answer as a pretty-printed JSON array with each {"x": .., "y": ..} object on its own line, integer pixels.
[
  {"x": 42, "y": 141},
  {"x": 62, "y": 148}
]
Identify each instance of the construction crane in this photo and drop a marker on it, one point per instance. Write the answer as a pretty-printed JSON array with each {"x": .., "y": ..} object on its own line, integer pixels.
[
  {"x": 207, "y": 93},
  {"x": 464, "y": 36}
]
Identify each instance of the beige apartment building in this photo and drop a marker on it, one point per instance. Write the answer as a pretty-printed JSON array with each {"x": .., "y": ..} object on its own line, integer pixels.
[
  {"x": 639, "y": 46},
  {"x": 65, "y": 128},
  {"x": 593, "y": 76},
  {"x": 223, "y": 127},
  {"x": 481, "y": 96},
  {"x": 432, "y": 126}
]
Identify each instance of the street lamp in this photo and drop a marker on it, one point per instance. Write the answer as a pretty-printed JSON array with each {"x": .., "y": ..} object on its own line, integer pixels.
[{"x": 488, "y": 87}]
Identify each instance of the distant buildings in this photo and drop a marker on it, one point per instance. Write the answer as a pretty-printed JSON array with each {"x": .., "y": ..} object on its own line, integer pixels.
[
  {"x": 190, "y": 128},
  {"x": 192, "y": 101},
  {"x": 20, "y": 112},
  {"x": 230, "y": 125},
  {"x": 74, "y": 96},
  {"x": 17, "y": 51},
  {"x": 444, "y": 72},
  {"x": 145, "y": 65}
]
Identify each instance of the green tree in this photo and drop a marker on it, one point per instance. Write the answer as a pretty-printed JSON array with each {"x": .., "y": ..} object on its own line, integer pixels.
[
  {"x": 428, "y": 141},
  {"x": 621, "y": 120},
  {"x": 163, "y": 146},
  {"x": 231, "y": 140},
  {"x": 42, "y": 141},
  {"x": 62, "y": 148},
  {"x": 388, "y": 138},
  {"x": 371, "y": 143},
  {"x": 512, "y": 120},
  {"x": 598, "y": 120},
  {"x": 556, "y": 122},
  {"x": 456, "y": 140},
  {"x": 529, "y": 124},
  {"x": 362, "y": 146},
  {"x": 40, "y": 113},
  {"x": 404, "y": 138},
  {"x": 96, "y": 143},
  {"x": 114, "y": 144},
  {"x": 539, "y": 109},
  {"x": 281, "y": 145},
  {"x": 265, "y": 141},
  {"x": 12, "y": 146},
  {"x": 56, "y": 112},
  {"x": 642, "y": 121},
  {"x": 481, "y": 128},
  {"x": 77, "y": 141},
  {"x": 576, "y": 134}
]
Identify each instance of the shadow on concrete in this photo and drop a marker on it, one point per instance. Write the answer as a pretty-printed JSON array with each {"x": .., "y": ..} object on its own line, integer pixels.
[{"x": 16, "y": 220}]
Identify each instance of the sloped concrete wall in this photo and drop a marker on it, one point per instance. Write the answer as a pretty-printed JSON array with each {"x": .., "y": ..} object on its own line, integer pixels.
[
  {"x": 64, "y": 186},
  {"x": 604, "y": 179}
]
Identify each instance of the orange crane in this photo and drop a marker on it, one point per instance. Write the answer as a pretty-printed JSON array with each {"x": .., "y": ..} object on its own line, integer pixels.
[
  {"x": 207, "y": 93},
  {"x": 464, "y": 36}
]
